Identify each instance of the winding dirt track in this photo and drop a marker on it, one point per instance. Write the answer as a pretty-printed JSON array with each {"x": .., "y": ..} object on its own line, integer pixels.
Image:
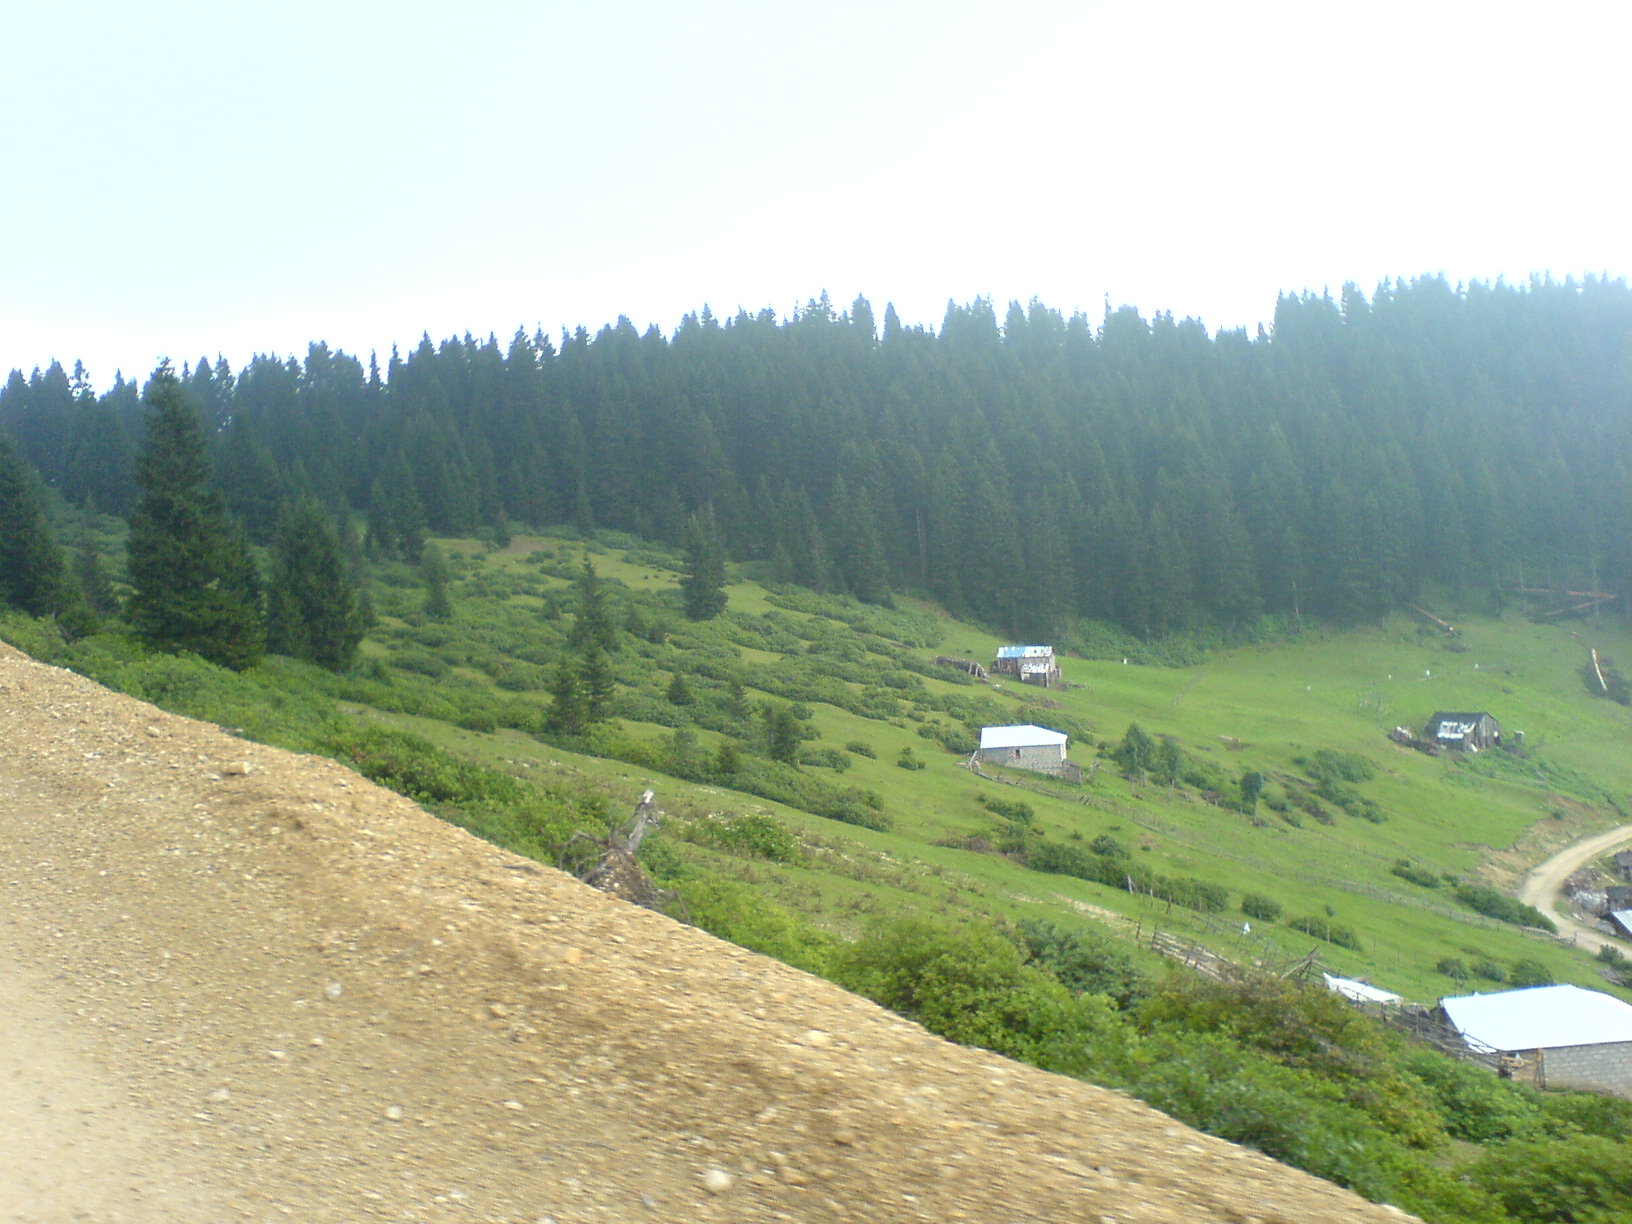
[
  {"x": 238, "y": 984},
  {"x": 1544, "y": 886}
]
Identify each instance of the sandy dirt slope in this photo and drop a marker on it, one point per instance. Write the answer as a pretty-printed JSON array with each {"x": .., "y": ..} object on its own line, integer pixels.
[{"x": 241, "y": 984}]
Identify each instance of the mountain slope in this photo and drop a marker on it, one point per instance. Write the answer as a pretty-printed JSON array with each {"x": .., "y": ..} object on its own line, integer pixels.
[{"x": 279, "y": 987}]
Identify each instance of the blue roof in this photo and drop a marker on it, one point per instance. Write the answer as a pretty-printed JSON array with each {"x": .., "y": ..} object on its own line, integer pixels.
[{"x": 1021, "y": 652}]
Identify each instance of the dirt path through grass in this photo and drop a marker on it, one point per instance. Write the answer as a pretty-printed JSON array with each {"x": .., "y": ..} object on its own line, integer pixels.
[{"x": 1544, "y": 886}]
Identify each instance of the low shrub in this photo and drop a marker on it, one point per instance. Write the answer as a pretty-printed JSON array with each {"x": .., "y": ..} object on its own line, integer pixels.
[
  {"x": 1014, "y": 809},
  {"x": 1487, "y": 901},
  {"x": 1415, "y": 873},
  {"x": 1265, "y": 909},
  {"x": 1322, "y": 927}
]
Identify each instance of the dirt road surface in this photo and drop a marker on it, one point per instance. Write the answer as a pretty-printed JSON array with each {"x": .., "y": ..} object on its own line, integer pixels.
[
  {"x": 238, "y": 984},
  {"x": 1543, "y": 887}
]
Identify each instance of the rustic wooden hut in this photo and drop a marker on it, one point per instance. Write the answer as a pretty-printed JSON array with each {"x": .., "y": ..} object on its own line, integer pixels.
[
  {"x": 1464, "y": 732},
  {"x": 1028, "y": 664}
]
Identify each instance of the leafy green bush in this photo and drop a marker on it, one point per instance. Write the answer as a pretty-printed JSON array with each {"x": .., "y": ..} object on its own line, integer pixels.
[
  {"x": 1583, "y": 1179},
  {"x": 1085, "y": 964},
  {"x": 908, "y": 761},
  {"x": 861, "y": 748},
  {"x": 1489, "y": 970},
  {"x": 754, "y": 834},
  {"x": 1529, "y": 973},
  {"x": 1415, "y": 873},
  {"x": 964, "y": 981},
  {"x": 1014, "y": 809},
  {"x": 1108, "y": 846},
  {"x": 1257, "y": 905},
  {"x": 1487, "y": 901},
  {"x": 1322, "y": 927},
  {"x": 1453, "y": 967}
]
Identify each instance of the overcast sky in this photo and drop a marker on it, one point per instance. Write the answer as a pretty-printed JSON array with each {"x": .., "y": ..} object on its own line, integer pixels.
[{"x": 193, "y": 179}]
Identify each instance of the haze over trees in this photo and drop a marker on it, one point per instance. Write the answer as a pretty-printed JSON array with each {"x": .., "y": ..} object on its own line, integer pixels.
[{"x": 1026, "y": 470}]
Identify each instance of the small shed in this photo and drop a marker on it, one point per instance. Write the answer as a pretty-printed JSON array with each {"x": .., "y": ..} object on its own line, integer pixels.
[
  {"x": 1623, "y": 864},
  {"x": 1028, "y": 664},
  {"x": 1356, "y": 991},
  {"x": 1561, "y": 1036},
  {"x": 1463, "y": 731},
  {"x": 1621, "y": 920},
  {"x": 1026, "y": 747}
]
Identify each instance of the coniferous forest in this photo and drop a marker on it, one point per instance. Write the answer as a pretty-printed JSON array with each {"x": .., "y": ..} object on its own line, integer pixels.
[{"x": 1026, "y": 470}]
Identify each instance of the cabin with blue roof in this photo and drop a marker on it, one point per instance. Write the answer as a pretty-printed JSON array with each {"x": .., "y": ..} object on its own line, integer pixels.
[{"x": 1028, "y": 664}]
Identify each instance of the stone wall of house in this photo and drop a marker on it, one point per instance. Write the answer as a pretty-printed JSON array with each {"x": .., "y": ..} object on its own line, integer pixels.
[
  {"x": 1045, "y": 758},
  {"x": 1594, "y": 1068}
]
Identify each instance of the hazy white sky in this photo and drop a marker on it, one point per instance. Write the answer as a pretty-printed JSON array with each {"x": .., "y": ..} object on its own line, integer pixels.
[{"x": 188, "y": 178}]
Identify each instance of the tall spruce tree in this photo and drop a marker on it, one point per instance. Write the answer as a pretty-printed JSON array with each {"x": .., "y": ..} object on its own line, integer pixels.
[
  {"x": 702, "y": 584},
  {"x": 315, "y": 609},
  {"x": 193, "y": 581},
  {"x": 433, "y": 569},
  {"x": 33, "y": 571}
]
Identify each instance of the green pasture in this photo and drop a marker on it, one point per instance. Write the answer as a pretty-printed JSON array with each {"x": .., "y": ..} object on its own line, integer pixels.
[{"x": 1266, "y": 707}]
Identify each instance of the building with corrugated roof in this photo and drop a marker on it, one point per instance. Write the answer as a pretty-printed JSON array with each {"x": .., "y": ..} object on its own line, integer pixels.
[
  {"x": 1026, "y": 747},
  {"x": 1560, "y": 1036},
  {"x": 1028, "y": 664},
  {"x": 1464, "y": 732}
]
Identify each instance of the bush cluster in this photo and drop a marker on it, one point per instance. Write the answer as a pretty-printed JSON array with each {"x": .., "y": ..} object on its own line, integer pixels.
[{"x": 1487, "y": 901}]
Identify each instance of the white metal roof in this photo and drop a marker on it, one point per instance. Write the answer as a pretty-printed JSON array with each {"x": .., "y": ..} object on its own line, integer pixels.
[
  {"x": 1362, "y": 992},
  {"x": 1024, "y": 652},
  {"x": 1026, "y": 736},
  {"x": 1541, "y": 1018}
]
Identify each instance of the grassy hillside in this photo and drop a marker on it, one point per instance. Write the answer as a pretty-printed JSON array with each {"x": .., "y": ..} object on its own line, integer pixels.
[
  {"x": 945, "y": 840},
  {"x": 984, "y": 905}
]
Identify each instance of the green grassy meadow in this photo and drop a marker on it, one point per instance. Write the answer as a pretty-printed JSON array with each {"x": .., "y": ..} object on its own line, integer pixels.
[
  {"x": 997, "y": 909},
  {"x": 1267, "y": 707}
]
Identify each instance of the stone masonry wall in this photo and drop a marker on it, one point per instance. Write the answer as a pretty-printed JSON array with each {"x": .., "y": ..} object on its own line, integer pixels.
[{"x": 1596, "y": 1068}]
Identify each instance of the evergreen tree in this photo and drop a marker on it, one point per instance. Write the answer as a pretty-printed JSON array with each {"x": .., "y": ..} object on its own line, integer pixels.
[
  {"x": 569, "y": 708},
  {"x": 702, "y": 585},
  {"x": 598, "y": 682},
  {"x": 315, "y": 609},
  {"x": 93, "y": 580},
  {"x": 593, "y": 627},
  {"x": 434, "y": 572},
  {"x": 193, "y": 581},
  {"x": 33, "y": 572},
  {"x": 783, "y": 732}
]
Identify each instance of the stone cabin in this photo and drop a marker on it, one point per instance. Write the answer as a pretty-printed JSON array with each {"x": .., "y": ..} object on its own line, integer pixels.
[
  {"x": 1554, "y": 1036},
  {"x": 1464, "y": 732},
  {"x": 1026, "y": 747},
  {"x": 1028, "y": 664}
]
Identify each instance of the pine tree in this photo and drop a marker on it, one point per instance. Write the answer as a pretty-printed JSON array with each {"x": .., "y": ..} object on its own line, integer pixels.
[
  {"x": 33, "y": 572},
  {"x": 593, "y": 627},
  {"x": 315, "y": 610},
  {"x": 783, "y": 732},
  {"x": 569, "y": 708},
  {"x": 433, "y": 570},
  {"x": 702, "y": 585},
  {"x": 193, "y": 581}
]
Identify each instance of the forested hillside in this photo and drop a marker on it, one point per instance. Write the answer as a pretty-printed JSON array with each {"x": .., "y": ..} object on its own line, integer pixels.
[{"x": 1025, "y": 471}]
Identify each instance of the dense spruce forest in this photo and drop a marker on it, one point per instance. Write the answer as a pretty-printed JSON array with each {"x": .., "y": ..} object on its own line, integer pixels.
[{"x": 1026, "y": 471}]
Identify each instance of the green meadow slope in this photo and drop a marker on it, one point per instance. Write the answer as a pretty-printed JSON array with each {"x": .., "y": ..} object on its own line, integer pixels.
[
  {"x": 862, "y": 682},
  {"x": 811, "y": 762}
]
